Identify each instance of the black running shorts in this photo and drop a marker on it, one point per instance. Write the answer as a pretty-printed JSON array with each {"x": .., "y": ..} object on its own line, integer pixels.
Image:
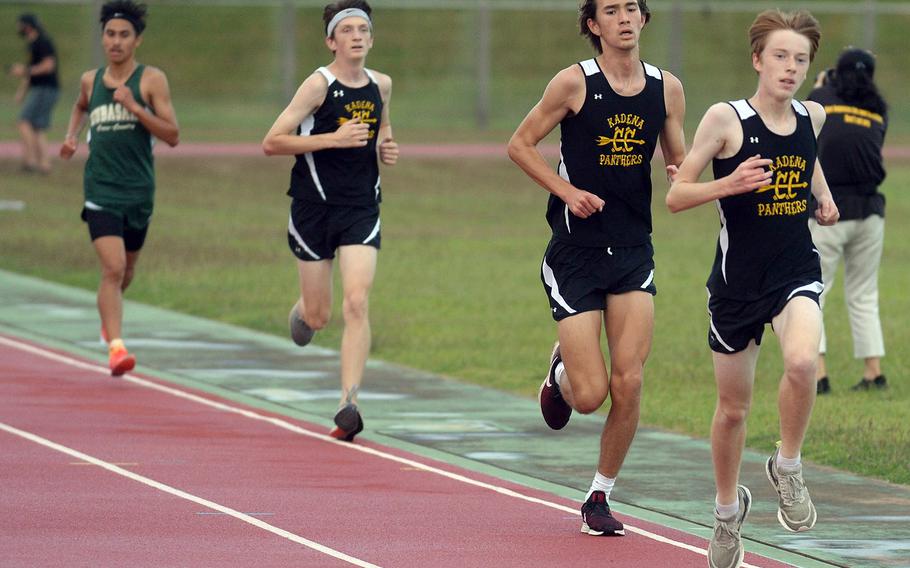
[
  {"x": 110, "y": 224},
  {"x": 316, "y": 230},
  {"x": 735, "y": 323},
  {"x": 578, "y": 279}
]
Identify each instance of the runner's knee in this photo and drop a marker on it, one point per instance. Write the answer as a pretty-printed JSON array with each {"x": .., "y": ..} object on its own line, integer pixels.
[
  {"x": 317, "y": 317},
  {"x": 626, "y": 385},
  {"x": 114, "y": 273},
  {"x": 588, "y": 398},
  {"x": 800, "y": 367},
  {"x": 732, "y": 414},
  {"x": 355, "y": 306},
  {"x": 127, "y": 278}
]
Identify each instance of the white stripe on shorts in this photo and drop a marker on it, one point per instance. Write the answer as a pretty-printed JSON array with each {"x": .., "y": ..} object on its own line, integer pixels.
[
  {"x": 293, "y": 231},
  {"x": 373, "y": 233},
  {"x": 648, "y": 280},
  {"x": 816, "y": 287},
  {"x": 550, "y": 279},
  {"x": 714, "y": 329}
]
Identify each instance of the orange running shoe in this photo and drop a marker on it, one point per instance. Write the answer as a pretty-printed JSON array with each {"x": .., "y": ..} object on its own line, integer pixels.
[{"x": 121, "y": 361}]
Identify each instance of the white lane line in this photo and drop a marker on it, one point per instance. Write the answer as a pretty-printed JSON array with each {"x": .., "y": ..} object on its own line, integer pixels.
[
  {"x": 324, "y": 437},
  {"x": 184, "y": 495}
]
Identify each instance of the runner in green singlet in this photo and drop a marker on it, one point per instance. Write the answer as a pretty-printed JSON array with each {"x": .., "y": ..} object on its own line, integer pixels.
[{"x": 126, "y": 104}]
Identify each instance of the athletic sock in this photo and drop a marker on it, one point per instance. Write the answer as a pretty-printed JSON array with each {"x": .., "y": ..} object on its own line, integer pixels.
[
  {"x": 601, "y": 483},
  {"x": 726, "y": 511},
  {"x": 788, "y": 464},
  {"x": 560, "y": 373},
  {"x": 115, "y": 345}
]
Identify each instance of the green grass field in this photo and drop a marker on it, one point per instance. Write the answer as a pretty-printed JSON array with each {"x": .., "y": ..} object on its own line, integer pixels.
[
  {"x": 457, "y": 290},
  {"x": 224, "y": 62}
]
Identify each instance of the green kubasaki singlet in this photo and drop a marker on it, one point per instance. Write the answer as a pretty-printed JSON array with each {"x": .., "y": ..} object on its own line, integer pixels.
[{"x": 119, "y": 173}]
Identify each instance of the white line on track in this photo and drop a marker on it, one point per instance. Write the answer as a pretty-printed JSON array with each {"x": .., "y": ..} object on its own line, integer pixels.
[
  {"x": 184, "y": 495},
  {"x": 355, "y": 447}
]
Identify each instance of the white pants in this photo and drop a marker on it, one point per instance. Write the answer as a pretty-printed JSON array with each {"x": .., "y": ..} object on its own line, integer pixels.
[{"x": 859, "y": 243}]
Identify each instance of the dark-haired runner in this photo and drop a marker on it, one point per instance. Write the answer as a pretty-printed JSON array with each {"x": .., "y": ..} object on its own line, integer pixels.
[{"x": 126, "y": 104}]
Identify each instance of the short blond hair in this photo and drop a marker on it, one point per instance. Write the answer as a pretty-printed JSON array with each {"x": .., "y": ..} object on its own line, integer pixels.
[{"x": 801, "y": 22}]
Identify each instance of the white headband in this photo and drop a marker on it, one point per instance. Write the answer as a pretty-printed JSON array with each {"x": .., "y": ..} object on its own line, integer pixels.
[{"x": 347, "y": 14}]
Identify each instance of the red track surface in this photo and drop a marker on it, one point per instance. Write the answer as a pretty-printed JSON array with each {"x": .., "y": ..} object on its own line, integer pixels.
[{"x": 56, "y": 511}]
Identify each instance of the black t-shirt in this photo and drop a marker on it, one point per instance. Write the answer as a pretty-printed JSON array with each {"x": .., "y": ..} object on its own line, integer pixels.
[
  {"x": 850, "y": 152},
  {"x": 40, "y": 48}
]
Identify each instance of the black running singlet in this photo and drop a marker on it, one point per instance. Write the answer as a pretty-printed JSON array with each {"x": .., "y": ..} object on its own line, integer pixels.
[
  {"x": 764, "y": 242},
  {"x": 340, "y": 176},
  {"x": 606, "y": 149}
]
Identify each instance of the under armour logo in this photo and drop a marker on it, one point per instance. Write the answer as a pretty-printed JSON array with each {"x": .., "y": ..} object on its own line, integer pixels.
[
  {"x": 338, "y": 93},
  {"x": 598, "y": 96},
  {"x": 753, "y": 139}
]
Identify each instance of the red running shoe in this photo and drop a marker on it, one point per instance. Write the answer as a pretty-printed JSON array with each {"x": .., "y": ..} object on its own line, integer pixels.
[
  {"x": 556, "y": 411},
  {"x": 596, "y": 519},
  {"x": 121, "y": 361}
]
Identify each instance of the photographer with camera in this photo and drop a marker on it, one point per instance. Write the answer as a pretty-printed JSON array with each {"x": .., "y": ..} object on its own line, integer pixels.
[{"x": 850, "y": 151}]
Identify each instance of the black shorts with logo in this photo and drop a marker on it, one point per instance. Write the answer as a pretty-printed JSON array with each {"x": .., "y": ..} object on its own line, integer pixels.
[
  {"x": 104, "y": 223},
  {"x": 578, "y": 279},
  {"x": 316, "y": 230},
  {"x": 735, "y": 323}
]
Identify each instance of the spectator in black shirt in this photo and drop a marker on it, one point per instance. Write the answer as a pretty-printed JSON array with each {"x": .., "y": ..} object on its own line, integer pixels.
[
  {"x": 38, "y": 92},
  {"x": 850, "y": 150}
]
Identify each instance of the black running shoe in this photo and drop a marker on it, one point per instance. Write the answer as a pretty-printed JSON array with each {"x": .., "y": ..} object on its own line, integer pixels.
[
  {"x": 596, "y": 519},
  {"x": 556, "y": 411},
  {"x": 348, "y": 423},
  {"x": 822, "y": 386},
  {"x": 878, "y": 383},
  {"x": 301, "y": 333}
]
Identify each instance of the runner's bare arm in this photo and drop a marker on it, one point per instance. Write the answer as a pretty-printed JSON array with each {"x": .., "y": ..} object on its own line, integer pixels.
[
  {"x": 282, "y": 138},
  {"x": 387, "y": 146},
  {"x": 77, "y": 116},
  {"x": 161, "y": 122},
  {"x": 827, "y": 212},
  {"x": 672, "y": 136},
  {"x": 711, "y": 139},
  {"x": 563, "y": 96}
]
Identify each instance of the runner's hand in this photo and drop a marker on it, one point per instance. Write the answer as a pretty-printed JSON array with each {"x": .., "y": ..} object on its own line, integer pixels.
[
  {"x": 69, "y": 147},
  {"x": 671, "y": 173},
  {"x": 583, "y": 204},
  {"x": 749, "y": 176},
  {"x": 353, "y": 134},
  {"x": 388, "y": 152},
  {"x": 124, "y": 96},
  {"x": 827, "y": 213}
]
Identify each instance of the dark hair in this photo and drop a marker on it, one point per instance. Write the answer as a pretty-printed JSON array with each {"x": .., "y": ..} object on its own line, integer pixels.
[
  {"x": 769, "y": 21},
  {"x": 587, "y": 10},
  {"x": 331, "y": 9},
  {"x": 30, "y": 20},
  {"x": 124, "y": 10},
  {"x": 853, "y": 81}
]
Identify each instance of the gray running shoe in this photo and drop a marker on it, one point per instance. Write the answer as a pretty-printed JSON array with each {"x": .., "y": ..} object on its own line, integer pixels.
[
  {"x": 795, "y": 510},
  {"x": 301, "y": 333},
  {"x": 726, "y": 547}
]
